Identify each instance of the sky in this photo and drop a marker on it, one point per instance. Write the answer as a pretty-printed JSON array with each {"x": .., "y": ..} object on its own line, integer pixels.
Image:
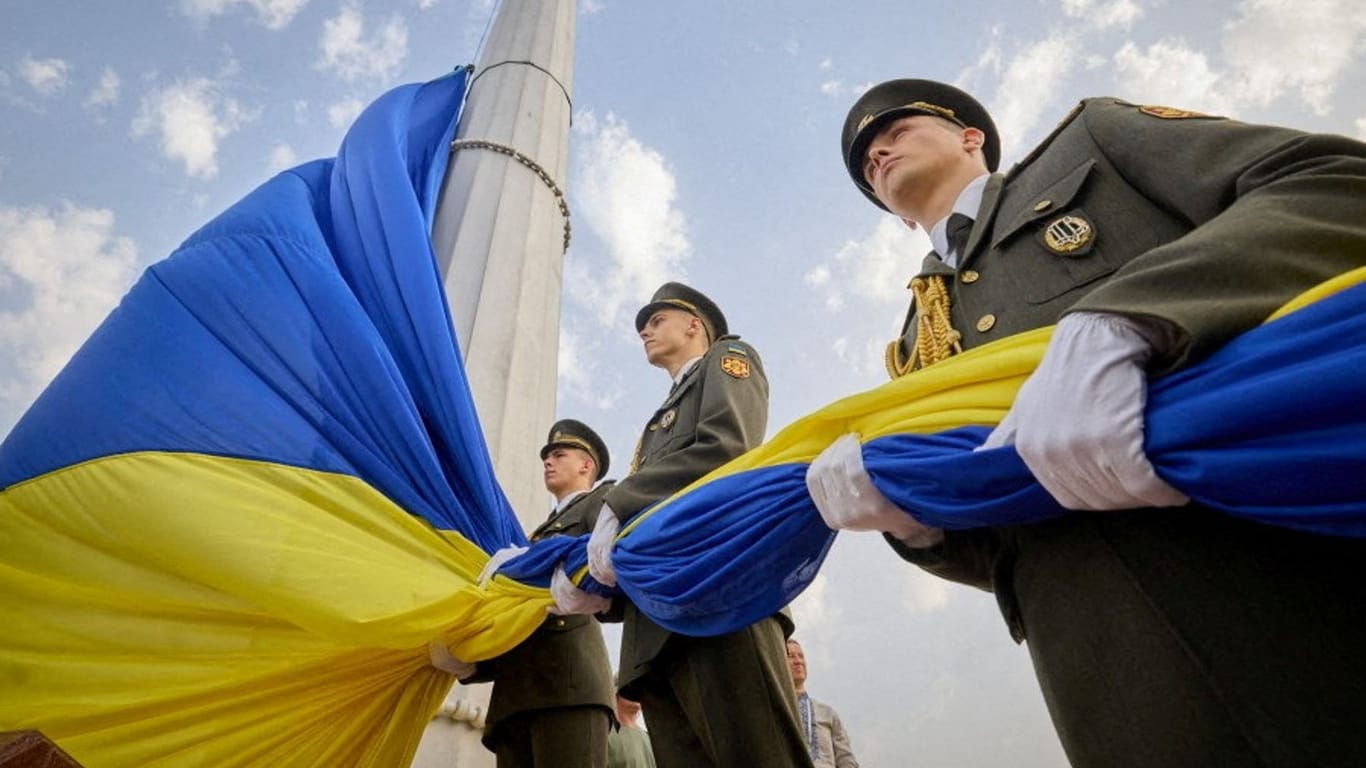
[{"x": 704, "y": 148}]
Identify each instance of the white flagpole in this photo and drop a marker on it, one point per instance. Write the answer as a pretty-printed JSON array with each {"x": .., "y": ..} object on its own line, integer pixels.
[
  {"x": 500, "y": 235},
  {"x": 501, "y": 232}
]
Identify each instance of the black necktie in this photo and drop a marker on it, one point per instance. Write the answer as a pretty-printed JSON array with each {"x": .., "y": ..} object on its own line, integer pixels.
[{"x": 958, "y": 229}]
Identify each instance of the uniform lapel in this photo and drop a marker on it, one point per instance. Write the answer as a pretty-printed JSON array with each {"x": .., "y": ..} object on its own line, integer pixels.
[
  {"x": 689, "y": 379},
  {"x": 981, "y": 224}
]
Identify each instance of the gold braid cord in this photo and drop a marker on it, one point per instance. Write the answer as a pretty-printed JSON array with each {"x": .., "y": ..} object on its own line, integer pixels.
[
  {"x": 935, "y": 338},
  {"x": 535, "y": 167}
]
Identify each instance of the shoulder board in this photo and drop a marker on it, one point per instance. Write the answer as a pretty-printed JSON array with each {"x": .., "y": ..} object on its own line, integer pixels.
[{"x": 1029, "y": 158}]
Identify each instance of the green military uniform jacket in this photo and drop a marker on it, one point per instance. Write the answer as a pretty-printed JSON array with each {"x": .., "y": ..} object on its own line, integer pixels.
[
  {"x": 564, "y": 663},
  {"x": 718, "y": 411},
  {"x": 1209, "y": 225}
]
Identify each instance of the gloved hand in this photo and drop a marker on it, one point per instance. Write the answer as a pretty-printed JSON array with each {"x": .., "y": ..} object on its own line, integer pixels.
[
  {"x": 496, "y": 561},
  {"x": 600, "y": 545},
  {"x": 442, "y": 659},
  {"x": 1077, "y": 422},
  {"x": 569, "y": 599},
  {"x": 848, "y": 501}
]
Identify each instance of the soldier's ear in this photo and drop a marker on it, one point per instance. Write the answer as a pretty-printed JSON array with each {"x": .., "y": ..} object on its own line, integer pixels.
[{"x": 973, "y": 138}]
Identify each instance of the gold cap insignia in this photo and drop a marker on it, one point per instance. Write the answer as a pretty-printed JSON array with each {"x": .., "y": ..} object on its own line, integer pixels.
[
  {"x": 668, "y": 419},
  {"x": 1170, "y": 113},
  {"x": 1068, "y": 234},
  {"x": 736, "y": 367}
]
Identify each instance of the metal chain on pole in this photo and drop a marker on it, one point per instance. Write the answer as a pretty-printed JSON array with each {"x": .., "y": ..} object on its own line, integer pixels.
[{"x": 528, "y": 162}]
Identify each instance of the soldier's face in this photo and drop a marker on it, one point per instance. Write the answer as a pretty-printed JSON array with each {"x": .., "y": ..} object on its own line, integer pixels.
[
  {"x": 669, "y": 337},
  {"x": 910, "y": 155},
  {"x": 566, "y": 469}
]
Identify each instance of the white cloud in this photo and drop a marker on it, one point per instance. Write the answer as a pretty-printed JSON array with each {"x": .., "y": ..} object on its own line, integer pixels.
[
  {"x": 282, "y": 157},
  {"x": 1361, "y": 128},
  {"x": 1102, "y": 15},
  {"x": 190, "y": 119},
  {"x": 425, "y": 4},
  {"x": 925, "y": 593},
  {"x": 576, "y": 374},
  {"x": 350, "y": 55},
  {"x": 106, "y": 92},
  {"x": 274, "y": 14},
  {"x": 46, "y": 76},
  {"x": 1028, "y": 86},
  {"x": 625, "y": 193},
  {"x": 826, "y": 63},
  {"x": 832, "y": 87},
  {"x": 1169, "y": 72},
  {"x": 810, "y": 609},
  {"x": 874, "y": 269},
  {"x": 1301, "y": 45},
  {"x": 590, "y": 7},
  {"x": 67, "y": 269},
  {"x": 344, "y": 113}
]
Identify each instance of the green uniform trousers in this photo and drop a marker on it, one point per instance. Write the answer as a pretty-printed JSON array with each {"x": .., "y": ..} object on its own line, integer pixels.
[
  {"x": 559, "y": 737},
  {"x": 724, "y": 702}
]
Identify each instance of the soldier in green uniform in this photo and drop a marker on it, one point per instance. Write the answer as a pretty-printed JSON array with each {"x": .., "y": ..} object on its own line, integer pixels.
[
  {"x": 553, "y": 695},
  {"x": 1162, "y": 632},
  {"x": 711, "y": 701}
]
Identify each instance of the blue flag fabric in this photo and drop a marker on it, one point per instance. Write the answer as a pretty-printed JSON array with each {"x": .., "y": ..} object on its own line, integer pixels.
[{"x": 1270, "y": 428}]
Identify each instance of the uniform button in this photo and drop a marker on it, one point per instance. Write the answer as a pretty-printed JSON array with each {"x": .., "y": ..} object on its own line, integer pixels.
[
  {"x": 559, "y": 622},
  {"x": 986, "y": 323},
  {"x": 1043, "y": 205},
  {"x": 969, "y": 276}
]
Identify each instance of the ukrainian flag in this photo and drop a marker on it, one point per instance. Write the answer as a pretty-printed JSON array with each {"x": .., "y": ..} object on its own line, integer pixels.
[{"x": 231, "y": 526}]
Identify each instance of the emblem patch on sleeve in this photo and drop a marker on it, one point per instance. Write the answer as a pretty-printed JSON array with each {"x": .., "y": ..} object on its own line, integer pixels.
[
  {"x": 1171, "y": 113},
  {"x": 736, "y": 367}
]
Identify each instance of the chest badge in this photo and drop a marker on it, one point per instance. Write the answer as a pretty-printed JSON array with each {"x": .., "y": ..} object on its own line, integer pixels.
[
  {"x": 668, "y": 419},
  {"x": 1069, "y": 235},
  {"x": 735, "y": 366},
  {"x": 1170, "y": 113}
]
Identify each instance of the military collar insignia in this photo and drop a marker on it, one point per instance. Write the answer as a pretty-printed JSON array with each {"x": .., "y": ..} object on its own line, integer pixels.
[
  {"x": 1069, "y": 235},
  {"x": 668, "y": 419}
]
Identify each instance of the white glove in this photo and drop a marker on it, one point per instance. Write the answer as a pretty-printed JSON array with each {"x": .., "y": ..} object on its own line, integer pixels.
[
  {"x": 1078, "y": 420},
  {"x": 442, "y": 659},
  {"x": 569, "y": 599},
  {"x": 600, "y": 544},
  {"x": 848, "y": 501},
  {"x": 496, "y": 561}
]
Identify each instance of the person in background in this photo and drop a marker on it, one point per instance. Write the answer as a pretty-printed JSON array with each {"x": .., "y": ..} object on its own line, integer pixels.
[
  {"x": 628, "y": 746},
  {"x": 829, "y": 742}
]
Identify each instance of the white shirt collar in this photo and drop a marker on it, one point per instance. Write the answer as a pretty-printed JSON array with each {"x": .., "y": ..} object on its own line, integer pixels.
[
  {"x": 562, "y": 503},
  {"x": 968, "y": 203},
  {"x": 684, "y": 370}
]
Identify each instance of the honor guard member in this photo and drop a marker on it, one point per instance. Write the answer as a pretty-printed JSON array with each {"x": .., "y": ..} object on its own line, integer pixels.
[
  {"x": 712, "y": 702},
  {"x": 1166, "y": 633},
  {"x": 553, "y": 695}
]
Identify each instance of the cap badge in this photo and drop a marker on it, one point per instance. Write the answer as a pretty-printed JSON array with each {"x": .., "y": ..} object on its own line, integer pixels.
[
  {"x": 735, "y": 367},
  {"x": 1068, "y": 235}
]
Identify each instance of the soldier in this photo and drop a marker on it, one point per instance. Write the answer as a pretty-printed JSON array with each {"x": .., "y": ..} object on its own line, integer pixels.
[
  {"x": 553, "y": 694},
  {"x": 710, "y": 701},
  {"x": 1166, "y": 634}
]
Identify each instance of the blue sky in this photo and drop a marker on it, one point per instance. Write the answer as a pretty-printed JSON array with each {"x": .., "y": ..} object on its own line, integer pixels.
[{"x": 704, "y": 148}]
